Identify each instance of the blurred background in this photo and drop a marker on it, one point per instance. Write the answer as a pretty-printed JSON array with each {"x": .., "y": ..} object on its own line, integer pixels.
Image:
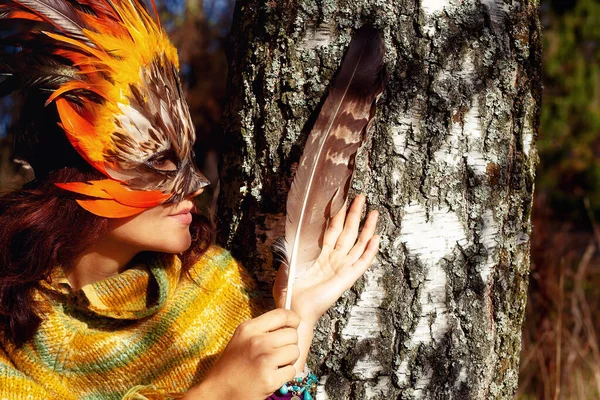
[{"x": 560, "y": 357}]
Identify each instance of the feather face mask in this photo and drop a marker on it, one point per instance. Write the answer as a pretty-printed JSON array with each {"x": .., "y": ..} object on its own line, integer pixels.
[{"x": 113, "y": 75}]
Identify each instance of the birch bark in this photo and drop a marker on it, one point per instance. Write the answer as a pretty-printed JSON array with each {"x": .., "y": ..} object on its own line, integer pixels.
[{"x": 450, "y": 166}]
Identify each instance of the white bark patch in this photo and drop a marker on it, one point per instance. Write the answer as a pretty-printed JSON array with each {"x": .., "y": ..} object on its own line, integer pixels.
[
  {"x": 402, "y": 372},
  {"x": 365, "y": 321},
  {"x": 472, "y": 123},
  {"x": 367, "y": 367},
  {"x": 527, "y": 138},
  {"x": 430, "y": 238},
  {"x": 527, "y": 128},
  {"x": 321, "y": 393},
  {"x": 433, "y": 6},
  {"x": 465, "y": 139},
  {"x": 451, "y": 150},
  {"x": 477, "y": 156},
  {"x": 379, "y": 389},
  {"x": 472, "y": 130},
  {"x": 489, "y": 234},
  {"x": 399, "y": 138},
  {"x": 409, "y": 121}
]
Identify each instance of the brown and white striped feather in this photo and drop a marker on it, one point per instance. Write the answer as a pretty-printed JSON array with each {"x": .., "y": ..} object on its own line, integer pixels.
[{"x": 324, "y": 174}]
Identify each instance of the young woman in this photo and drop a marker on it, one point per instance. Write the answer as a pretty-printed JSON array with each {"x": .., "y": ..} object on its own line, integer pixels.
[{"x": 109, "y": 285}]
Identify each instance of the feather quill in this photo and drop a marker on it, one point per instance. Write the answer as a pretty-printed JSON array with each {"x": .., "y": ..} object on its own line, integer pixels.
[{"x": 320, "y": 187}]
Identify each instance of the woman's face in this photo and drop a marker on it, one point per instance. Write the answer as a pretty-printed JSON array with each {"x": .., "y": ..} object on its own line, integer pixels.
[{"x": 163, "y": 228}]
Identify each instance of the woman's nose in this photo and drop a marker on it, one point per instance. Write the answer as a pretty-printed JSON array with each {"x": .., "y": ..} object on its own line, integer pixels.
[{"x": 198, "y": 192}]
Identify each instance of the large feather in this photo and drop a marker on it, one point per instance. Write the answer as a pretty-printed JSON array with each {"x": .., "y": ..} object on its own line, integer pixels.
[
  {"x": 59, "y": 13},
  {"x": 325, "y": 170}
]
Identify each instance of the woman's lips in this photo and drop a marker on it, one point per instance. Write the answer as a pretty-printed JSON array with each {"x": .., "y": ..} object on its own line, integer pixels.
[{"x": 184, "y": 217}]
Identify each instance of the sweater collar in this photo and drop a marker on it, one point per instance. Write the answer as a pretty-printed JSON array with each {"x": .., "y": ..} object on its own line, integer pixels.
[{"x": 136, "y": 293}]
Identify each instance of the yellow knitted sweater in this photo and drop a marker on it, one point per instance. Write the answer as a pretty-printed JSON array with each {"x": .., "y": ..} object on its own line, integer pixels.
[{"x": 150, "y": 331}]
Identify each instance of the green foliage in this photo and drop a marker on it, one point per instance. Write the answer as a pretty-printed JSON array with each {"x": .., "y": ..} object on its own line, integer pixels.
[{"x": 569, "y": 141}]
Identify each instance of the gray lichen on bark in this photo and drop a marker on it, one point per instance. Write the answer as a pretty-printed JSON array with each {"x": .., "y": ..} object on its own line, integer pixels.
[{"x": 450, "y": 166}]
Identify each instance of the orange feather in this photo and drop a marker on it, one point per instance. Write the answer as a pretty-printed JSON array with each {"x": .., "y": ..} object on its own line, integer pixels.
[
  {"x": 25, "y": 15},
  {"x": 156, "y": 13},
  {"x": 78, "y": 44},
  {"x": 109, "y": 208},
  {"x": 108, "y": 27},
  {"x": 80, "y": 133},
  {"x": 134, "y": 198},
  {"x": 84, "y": 188},
  {"x": 102, "y": 7},
  {"x": 71, "y": 55},
  {"x": 113, "y": 190},
  {"x": 67, "y": 87}
]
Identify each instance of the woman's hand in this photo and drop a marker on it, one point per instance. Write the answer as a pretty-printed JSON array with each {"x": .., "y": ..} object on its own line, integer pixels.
[
  {"x": 342, "y": 261},
  {"x": 257, "y": 361}
]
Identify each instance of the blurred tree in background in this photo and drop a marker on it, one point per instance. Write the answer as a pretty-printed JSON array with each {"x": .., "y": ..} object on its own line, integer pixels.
[
  {"x": 570, "y": 121},
  {"x": 560, "y": 358},
  {"x": 199, "y": 30}
]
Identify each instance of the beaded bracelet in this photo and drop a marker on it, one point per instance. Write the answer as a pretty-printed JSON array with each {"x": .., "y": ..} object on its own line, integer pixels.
[{"x": 305, "y": 387}]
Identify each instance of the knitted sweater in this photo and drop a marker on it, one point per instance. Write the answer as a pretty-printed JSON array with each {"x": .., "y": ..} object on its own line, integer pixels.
[{"x": 150, "y": 330}]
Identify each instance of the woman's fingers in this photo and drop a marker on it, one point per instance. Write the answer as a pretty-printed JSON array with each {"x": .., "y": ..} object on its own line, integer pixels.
[
  {"x": 348, "y": 235},
  {"x": 275, "y": 319},
  {"x": 283, "y": 337},
  {"x": 285, "y": 355},
  {"x": 368, "y": 256},
  {"x": 366, "y": 234},
  {"x": 284, "y": 374},
  {"x": 349, "y": 275},
  {"x": 336, "y": 225}
]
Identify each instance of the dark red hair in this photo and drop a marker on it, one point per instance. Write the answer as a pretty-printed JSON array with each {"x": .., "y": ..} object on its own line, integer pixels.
[{"x": 42, "y": 227}]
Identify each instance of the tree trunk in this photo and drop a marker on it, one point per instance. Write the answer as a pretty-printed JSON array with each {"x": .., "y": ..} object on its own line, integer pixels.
[{"x": 450, "y": 166}]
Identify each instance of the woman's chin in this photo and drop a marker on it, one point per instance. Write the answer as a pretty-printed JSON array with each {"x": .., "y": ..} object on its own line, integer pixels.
[
  {"x": 178, "y": 247},
  {"x": 174, "y": 243}
]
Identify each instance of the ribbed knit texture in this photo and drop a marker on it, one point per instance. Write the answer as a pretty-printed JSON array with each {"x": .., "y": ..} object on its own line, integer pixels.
[{"x": 149, "y": 332}]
